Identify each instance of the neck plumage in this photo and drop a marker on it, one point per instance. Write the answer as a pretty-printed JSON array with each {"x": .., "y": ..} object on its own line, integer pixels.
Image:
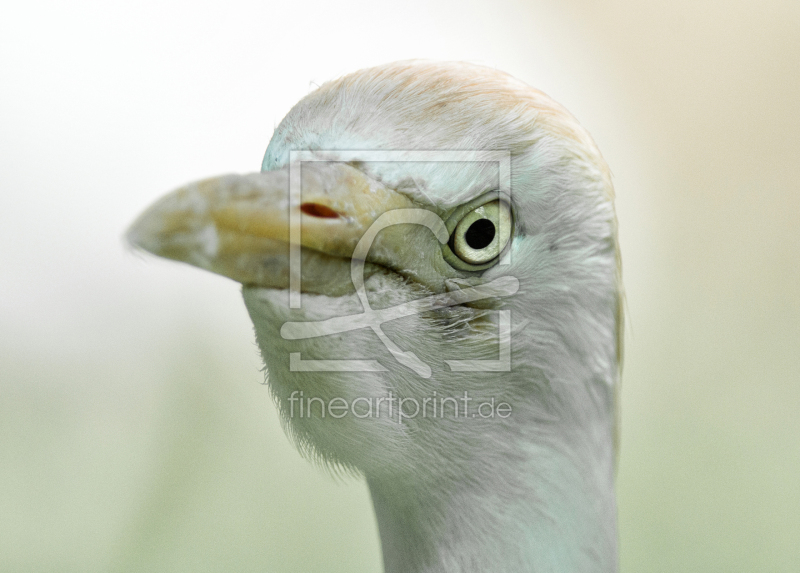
[{"x": 560, "y": 517}]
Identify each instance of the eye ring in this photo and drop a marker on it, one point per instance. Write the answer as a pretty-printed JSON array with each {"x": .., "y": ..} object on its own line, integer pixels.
[{"x": 480, "y": 236}]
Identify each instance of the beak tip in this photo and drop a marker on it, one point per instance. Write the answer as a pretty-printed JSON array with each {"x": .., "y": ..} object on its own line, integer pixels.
[{"x": 141, "y": 236}]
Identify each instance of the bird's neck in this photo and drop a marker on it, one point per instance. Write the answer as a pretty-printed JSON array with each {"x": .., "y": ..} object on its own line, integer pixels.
[{"x": 560, "y": 517}]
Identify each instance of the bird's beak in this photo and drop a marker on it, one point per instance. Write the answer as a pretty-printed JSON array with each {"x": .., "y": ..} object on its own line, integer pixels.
[{"x": 241, "y": 226}]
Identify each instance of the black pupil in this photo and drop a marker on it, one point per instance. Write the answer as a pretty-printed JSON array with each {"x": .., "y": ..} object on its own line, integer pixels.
[{"x": 480, "y": 234}]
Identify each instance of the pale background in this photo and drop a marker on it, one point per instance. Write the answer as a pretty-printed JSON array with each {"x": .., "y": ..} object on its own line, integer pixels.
[{"x": 134, "y": 432}]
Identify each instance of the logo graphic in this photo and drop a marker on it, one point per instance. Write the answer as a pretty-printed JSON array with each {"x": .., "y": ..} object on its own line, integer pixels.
[{"x": 500, "y": 287}]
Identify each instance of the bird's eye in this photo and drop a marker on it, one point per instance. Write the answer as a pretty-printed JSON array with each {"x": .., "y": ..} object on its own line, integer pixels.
[{"x": 482, "y": 234}]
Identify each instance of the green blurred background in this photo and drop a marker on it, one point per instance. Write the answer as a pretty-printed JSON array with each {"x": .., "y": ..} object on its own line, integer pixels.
[{"x": 135, "y": 434}]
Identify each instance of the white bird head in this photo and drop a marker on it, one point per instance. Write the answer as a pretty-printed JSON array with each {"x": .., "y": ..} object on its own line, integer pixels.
[{"x": 449, "y": 233}]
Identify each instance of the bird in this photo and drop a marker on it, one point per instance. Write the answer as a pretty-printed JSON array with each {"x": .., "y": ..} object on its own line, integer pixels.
[{"x": 430, "y": 259}]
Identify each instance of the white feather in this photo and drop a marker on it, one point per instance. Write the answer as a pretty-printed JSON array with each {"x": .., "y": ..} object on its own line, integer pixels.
[{"x": 534, "y": 491}]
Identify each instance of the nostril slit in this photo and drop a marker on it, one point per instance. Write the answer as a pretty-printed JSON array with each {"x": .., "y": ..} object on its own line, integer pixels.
[{"x": 317, "y": 210}]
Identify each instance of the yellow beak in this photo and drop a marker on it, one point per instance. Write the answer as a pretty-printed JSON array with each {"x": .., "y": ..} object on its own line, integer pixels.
[{"x": 241, "y": 226}]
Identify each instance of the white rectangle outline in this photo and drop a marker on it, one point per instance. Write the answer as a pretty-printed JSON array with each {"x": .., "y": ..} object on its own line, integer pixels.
[{"x": 298, "y": 157}]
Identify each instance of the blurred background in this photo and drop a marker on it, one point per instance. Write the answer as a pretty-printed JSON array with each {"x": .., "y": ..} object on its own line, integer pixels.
[{"x": 135, "y": 433}]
